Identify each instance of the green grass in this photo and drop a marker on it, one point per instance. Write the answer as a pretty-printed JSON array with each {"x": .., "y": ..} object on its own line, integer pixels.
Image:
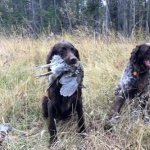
[{"x": 21, "y": 93}]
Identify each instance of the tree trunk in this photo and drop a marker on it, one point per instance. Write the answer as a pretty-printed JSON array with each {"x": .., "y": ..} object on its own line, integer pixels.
[
  {"x": 33, "y": 24},
  {"x": 119, "y": 15},
  {"x": 124, "y": 2},
  {"x": 68, "y": 16},
  {"x": 77, "y": 11},
  {"x": 147, "y": 16},
  {"x": 41, "y": 14},
  {"x": 106, "y": 19},
  {"x": 131, "y": 17},
  {"x": 55, "y": 12}
]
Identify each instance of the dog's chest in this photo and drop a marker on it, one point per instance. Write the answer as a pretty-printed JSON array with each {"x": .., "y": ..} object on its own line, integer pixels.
[
  {"x": 143, "y": 82},
  {"x": 133, "y": 82},
  {"x": 66, "y": 104}
]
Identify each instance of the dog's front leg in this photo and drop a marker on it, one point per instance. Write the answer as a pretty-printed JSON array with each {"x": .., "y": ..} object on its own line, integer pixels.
[
  {"x": 145, "y": 108},
  {"x": 115, "y": 109},
  {"x": 79, "y": 110},
  {"x": 51, "y": 123}
]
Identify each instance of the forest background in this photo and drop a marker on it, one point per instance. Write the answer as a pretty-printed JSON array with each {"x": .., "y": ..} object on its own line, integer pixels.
[{"x": 122, "y": 17}]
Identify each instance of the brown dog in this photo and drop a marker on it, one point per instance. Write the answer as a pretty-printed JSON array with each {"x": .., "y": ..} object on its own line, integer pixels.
[
  {"x": 135, "y": 82},
  {"x": 56, "y": 106}
]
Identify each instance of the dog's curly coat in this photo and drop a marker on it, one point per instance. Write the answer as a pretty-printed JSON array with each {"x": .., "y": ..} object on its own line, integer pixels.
[{"x": 134, "y": 82}]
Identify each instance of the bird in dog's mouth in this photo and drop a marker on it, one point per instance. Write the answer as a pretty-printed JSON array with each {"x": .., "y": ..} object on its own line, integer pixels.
[{"x": 70, "y": 76}]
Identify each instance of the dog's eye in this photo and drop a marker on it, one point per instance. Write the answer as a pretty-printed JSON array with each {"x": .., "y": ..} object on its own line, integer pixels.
[
  {"x": 63, "y": 49},
  {"x": 73, "y": 50}
]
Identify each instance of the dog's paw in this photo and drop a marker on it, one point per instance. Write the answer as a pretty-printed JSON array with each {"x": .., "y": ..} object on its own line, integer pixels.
[
  {"x": 84, "y": 134},
  {"x": 53, "y": 142},
  {"x": 108, "y": 126},
  {"x": 110, "y": 123},
  {"x": 146, "y": 119}
]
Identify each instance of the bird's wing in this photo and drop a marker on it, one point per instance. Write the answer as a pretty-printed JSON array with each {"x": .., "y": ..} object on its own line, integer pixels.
[{"x": 69, "y": 88}]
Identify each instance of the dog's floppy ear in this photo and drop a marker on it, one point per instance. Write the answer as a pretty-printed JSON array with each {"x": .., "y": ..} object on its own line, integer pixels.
[
  {"x": 51, "y": 53},
  {"x": 77, "y": 54},
  {"x": 134, "y": 54}
]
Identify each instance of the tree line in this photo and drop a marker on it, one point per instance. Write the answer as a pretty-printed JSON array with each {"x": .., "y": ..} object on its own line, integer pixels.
[{"x": 125, "y": 17}]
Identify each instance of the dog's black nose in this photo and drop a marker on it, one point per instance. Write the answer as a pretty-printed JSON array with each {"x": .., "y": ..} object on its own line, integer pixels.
[{"x": 73, "y": 60}]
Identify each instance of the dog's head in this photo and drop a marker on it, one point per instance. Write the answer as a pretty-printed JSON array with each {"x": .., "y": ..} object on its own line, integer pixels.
[
  {"x": 66, "y": 51},
  {"x": 141, "y": 55}
]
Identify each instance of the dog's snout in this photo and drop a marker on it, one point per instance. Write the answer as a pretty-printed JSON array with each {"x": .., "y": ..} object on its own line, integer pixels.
[
  {"x": 73, "y": 60},
  {"x": 70, "y": 58}
]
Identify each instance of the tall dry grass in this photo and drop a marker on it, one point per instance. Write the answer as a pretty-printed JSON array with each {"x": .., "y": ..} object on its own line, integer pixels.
[{"x": 21, "y": 92}]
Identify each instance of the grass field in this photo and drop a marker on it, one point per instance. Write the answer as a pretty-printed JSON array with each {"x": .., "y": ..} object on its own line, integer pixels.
[{"x": 21, "y": 93}]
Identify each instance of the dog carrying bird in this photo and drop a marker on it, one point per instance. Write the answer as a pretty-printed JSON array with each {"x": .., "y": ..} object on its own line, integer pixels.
[{"x": 64, "y": 93}]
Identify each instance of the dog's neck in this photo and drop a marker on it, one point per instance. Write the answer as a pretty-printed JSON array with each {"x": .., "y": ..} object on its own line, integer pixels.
[{"x": 140, "y": 69}]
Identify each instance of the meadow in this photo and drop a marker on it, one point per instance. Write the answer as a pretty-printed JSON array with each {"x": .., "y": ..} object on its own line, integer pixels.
[{"x": 21, "y": 93}]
